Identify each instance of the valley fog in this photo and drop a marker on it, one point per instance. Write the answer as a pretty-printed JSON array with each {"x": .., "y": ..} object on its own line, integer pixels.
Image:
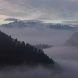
[
  {"x": 39, "y": 35},
  {"x": 65, "y": 56}
]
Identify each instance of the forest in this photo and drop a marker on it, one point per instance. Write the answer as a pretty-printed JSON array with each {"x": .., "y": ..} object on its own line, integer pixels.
[{"x": 14, "y": 52}]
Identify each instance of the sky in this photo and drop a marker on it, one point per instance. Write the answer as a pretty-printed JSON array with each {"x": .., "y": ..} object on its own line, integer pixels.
[{"x": 46, "y": 10}]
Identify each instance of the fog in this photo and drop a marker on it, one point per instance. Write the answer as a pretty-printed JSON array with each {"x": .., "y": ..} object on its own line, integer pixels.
[
  {"x": 66, "y": 57},
  {"x": 39, "y": 35}
]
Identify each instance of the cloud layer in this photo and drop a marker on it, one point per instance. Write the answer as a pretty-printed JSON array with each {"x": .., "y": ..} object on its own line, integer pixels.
[{"x": 40, "y": 9}]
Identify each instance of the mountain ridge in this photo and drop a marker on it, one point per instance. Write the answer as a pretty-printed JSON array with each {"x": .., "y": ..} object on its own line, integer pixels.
[
  {"x": 14, "y": 52},
  {"x": 33, "y": 23}
]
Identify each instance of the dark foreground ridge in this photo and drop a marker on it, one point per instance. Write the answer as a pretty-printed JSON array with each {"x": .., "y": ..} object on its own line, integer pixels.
[{"x": 14, "y": 52}]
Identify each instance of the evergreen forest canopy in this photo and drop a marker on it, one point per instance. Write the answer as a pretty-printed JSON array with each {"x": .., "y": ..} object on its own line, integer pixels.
[{"x": 14, "y": 52}]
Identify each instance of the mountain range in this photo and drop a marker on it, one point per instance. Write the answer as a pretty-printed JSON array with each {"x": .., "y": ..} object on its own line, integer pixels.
[{"x": 37, "y": 24}]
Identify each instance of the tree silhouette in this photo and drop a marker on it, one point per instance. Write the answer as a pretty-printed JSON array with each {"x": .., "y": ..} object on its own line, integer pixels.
[{"x": 14, "y": 52}]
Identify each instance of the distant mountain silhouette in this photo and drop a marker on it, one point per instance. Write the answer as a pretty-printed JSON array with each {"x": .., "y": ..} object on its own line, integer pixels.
[
  {"x": 22, "y": 23},
  {"x": 73, "y": 40},
  {"x": 11, "y": 19},
  {"x": 61, "y": 26},
  {"x": 34, "y": 23},
  {"x": 14, "y": 24},
  {"x": 14, "y": 52}
]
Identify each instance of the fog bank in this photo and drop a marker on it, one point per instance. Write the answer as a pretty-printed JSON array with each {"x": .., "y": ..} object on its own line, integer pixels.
[{"x": 66, "y": 57}]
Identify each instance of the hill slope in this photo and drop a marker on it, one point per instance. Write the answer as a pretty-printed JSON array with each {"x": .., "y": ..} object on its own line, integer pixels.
[
  {"x": 73, "y": 40},
  {"x": 14, "y": 52}
]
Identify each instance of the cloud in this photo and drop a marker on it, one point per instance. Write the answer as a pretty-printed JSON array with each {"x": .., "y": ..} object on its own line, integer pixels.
[
  {"x": 10, "y": 19},
  {"x": 40, "y": 9}
]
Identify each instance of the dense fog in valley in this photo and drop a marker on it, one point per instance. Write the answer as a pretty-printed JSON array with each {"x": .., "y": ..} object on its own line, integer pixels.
[
  {"x": 63, "y": 52},
  {"x": 39, "y": 35}
]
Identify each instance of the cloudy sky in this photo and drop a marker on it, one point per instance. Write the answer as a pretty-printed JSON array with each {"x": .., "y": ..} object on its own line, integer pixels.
[{"x": 48, "y": 10}]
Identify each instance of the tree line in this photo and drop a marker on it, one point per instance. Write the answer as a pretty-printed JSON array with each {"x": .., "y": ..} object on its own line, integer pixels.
[{"x": 14, "y": 52}]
